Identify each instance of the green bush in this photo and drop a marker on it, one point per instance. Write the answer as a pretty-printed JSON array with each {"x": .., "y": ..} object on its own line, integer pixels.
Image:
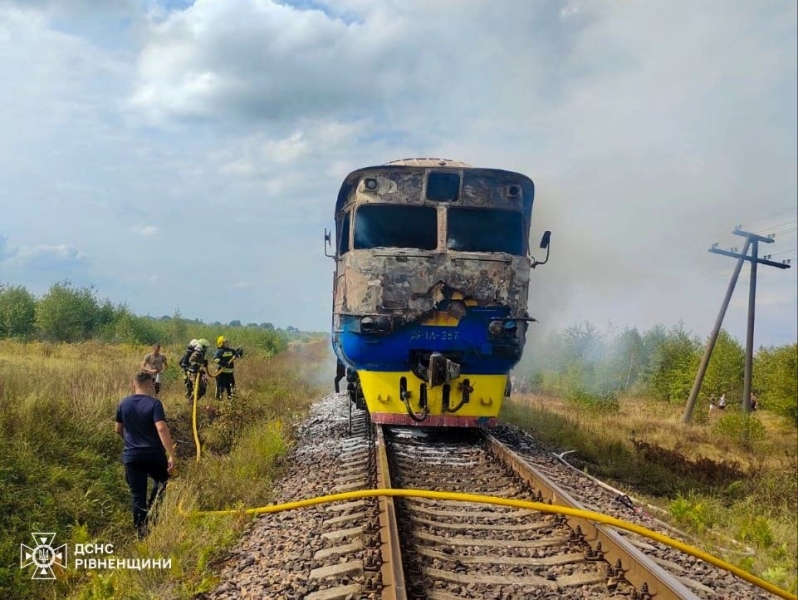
[
  {"x": 738, "y": 427},
  {"x": 776, "y": 378},
  {"x": 66, "y": 314},
  {"x": 17, "y": 311},
  {"x": 694, "y": 511}
]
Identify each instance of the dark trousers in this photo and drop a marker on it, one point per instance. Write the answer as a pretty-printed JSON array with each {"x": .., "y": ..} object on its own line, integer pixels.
[
  {"x": 225, "y": 382},
  {"x": 189, "y": 381},
  {"x": 137, "y": 472}
]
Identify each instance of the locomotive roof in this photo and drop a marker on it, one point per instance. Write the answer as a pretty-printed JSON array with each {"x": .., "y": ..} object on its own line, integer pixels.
[
  {"x": 428, "y": 162},
  {"x": 422, "y": 164}
]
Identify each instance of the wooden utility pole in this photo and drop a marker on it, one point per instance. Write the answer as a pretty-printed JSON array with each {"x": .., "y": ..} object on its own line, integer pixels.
[{"x": 751, "y": 241}]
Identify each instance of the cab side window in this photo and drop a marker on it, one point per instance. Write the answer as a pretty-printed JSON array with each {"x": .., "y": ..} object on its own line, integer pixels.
[{"x": 343, "y": 235}]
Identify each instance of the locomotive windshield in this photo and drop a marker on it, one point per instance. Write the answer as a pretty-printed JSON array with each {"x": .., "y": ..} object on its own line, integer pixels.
[
  {"x": 394, "y": 226},
  {"x": 485, "y": 230}
]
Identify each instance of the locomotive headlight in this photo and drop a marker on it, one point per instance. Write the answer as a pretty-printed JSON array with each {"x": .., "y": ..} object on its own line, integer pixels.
[
  {"x": 370, "y": 183},
  {"x": 367, "y": 324},
  {"x": 495, "y": 327},
  {"x": 383, "y": 324},
  {"x": 510, "y": 326}
]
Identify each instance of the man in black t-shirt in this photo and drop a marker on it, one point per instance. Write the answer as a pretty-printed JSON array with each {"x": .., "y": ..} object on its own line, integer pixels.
[{"x": 149, "y": 450}]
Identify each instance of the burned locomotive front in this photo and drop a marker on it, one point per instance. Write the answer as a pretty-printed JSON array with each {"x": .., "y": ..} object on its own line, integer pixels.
[{"x": 430, "y": 288}]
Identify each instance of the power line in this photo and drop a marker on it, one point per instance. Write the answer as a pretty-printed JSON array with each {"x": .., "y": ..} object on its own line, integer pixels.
[
  {"x": 777, "y": 226},
  {"x": 782, "y": 252},
  {"x": 786, "y": 231},
  {"x": 776, "y": 214}
]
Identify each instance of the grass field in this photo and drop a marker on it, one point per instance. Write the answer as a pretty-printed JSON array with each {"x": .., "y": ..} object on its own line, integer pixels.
[
  {"x": 60, "y": 468},
  {"x": 722, "y": 477}
]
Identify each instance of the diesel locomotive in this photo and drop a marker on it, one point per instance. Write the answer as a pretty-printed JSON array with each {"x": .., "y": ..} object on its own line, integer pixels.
[{"x": 432, "y": 269}]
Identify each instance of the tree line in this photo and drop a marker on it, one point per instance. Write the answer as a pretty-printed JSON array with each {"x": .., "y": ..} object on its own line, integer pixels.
[
  {"x": 70, "y": 314},
  {"x": 661, "y": 363}
]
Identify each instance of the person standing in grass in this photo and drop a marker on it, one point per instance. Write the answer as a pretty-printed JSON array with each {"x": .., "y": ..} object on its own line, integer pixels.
[
  {"x": 225, "y": 375},
  {"x": 149, "y": 451},
  {"x": 155, "y": 364},
  {"x": 195, "y": 367}
]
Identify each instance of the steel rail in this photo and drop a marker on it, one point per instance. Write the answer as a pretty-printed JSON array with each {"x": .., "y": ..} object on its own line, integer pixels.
[
  {"x": 650, "y": 579},
  {"x": 393, "y": 578}
]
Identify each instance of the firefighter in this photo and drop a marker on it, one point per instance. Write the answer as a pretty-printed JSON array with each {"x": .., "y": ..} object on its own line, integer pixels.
[
  {"x": 224, "y": 360},
  {"x": 195, "y": 367}
]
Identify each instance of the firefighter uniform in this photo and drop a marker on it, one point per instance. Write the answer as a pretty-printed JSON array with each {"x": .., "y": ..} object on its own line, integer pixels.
[{"x": 225, "y": 378}]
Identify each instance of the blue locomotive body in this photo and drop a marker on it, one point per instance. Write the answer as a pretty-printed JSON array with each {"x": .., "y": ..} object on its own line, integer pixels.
[{"x": 430, "y": 289}]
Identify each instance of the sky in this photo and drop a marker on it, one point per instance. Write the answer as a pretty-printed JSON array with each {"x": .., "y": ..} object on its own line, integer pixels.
[{"x": 186, "y": 156}]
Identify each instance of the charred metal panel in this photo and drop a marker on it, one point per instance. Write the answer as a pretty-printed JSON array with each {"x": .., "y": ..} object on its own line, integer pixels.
[
  {"x": 399, "y": 187},
  {"x": 407, "y": 185},
  {"x": 413, "y": 283},
  {"x": 497, "y": 189}
]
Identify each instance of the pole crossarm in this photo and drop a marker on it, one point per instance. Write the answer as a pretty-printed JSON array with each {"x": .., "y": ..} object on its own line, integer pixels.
[
  {"x": 754, "y": 237},
  {"x": 761, "y": 261}
]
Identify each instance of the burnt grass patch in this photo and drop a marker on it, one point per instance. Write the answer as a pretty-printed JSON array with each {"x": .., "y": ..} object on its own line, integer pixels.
[{"x": 699, "y": 473}]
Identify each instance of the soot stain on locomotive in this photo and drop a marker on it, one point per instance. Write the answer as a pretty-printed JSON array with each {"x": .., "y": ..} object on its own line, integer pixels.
[
  {"x": 381, "y": 284},
  {"x": 413, "y": 283}
]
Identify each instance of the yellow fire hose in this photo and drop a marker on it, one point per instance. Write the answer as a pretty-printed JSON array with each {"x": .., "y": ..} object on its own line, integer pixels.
[
  {"x": 547, "y": 508},
  {"x": 194, "y": 412},
  {"x": 196, "y": 397}
]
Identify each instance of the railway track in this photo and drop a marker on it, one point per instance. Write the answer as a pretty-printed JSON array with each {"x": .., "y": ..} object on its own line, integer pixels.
[
  {"x": 408, "y": 547},
  {"x": 454, "y": 549}
]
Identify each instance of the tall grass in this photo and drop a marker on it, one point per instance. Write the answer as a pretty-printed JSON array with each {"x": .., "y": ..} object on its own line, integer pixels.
[
  {"x": 60, "y": 468},
  {"x": 731, "y": 475}
]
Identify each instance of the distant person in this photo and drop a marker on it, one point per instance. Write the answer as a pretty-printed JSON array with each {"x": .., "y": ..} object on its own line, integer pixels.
[
  {"x": 340, "y": 373},
  {"x": 224, "y": 359},
  {"x": 155, "y": 364},
  {"x": 722, "y": 402},
  {"x": 754, "y": 401},
  {"x": 149, "y": 451},
  {"x": 712, "y": 406}
]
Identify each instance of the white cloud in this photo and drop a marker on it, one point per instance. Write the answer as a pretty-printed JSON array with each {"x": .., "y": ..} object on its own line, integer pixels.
[
  {"x": 145, "y": 230},
  {"x": 52, "y": 262},
  {"x": 650, "y": 129}
]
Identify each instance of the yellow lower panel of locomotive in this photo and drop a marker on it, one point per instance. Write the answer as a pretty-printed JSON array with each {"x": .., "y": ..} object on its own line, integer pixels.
[{"x": 381, "y": 391}]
